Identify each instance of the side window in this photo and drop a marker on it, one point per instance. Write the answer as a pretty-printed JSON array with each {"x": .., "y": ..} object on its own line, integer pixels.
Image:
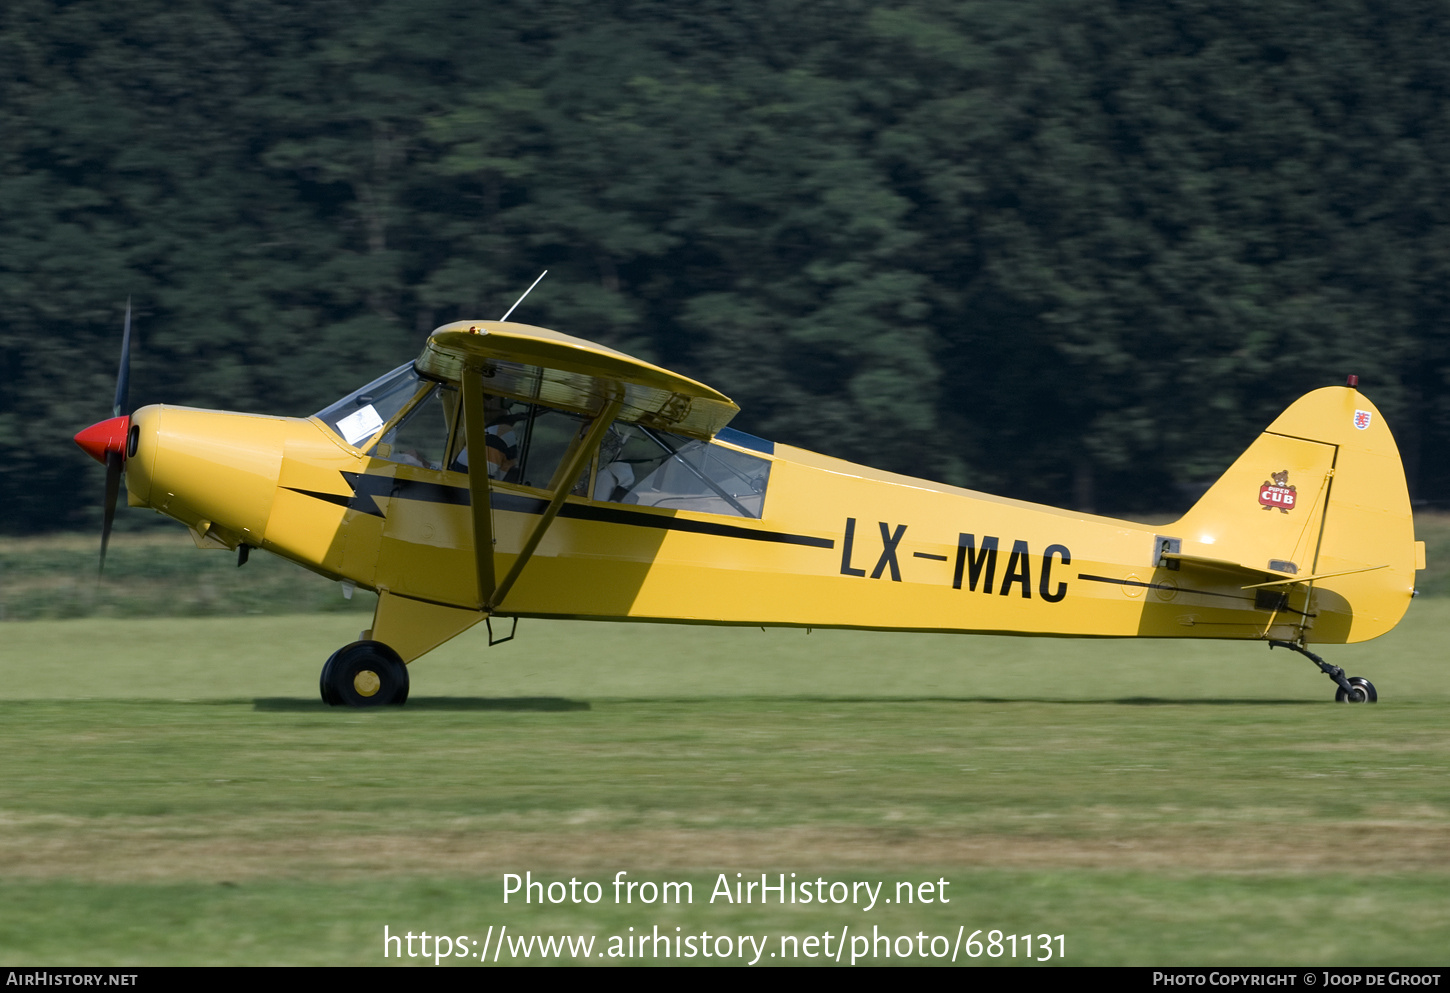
[
  {"x": 421, "y": 437},
  {"x": 525, "y": 444},
  {"x": 627, "y": 456},
  {"x": 548, "y": 436},
  {"x": 655, "y": 469},
  {"x": 503, "y": 420}
]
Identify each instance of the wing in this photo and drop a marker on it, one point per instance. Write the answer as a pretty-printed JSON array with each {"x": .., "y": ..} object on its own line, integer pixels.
[
  {"x": 538, "y": 365},
  {"x": 534, "y": 364}
]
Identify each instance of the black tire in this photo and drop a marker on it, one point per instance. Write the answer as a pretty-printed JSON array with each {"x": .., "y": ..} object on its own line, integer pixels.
[
  {"x": 328, "y": 696},
  {"x": 1362, "y": 691},
  {"x": 364, "y": 674}
]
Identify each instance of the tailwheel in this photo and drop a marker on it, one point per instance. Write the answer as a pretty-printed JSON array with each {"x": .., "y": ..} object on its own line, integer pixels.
[
  {"x": 1352, "y": 689},
  {"x": 1361, "y": 690},
  {"x": 364, "y": 674}
]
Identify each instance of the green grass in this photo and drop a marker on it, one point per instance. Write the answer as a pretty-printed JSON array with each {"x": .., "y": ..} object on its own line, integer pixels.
[
  {"x": 154, "y": 574},
  {"x": 246, "y": 658},
  {"x": 1434, "y": 531},
  {"x": 1110, "y": 917},
  {"x": 171, "y": 791}
]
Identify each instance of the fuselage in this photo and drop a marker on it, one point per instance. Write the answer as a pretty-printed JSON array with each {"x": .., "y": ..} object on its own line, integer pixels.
[{"x": 834, "y": 544}]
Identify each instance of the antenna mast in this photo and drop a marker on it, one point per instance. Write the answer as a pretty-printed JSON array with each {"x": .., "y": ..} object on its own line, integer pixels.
[{"x": 526, "y": 293}]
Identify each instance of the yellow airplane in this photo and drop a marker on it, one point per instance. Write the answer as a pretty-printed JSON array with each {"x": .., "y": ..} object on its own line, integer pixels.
[{"x": 512, "y": 471}]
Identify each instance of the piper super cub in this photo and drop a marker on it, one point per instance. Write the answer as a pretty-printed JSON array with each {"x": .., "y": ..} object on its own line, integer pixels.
[{"x": 513, "y": 471}]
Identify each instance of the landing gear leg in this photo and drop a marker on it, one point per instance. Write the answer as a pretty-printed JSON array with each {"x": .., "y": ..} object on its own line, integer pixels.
[
  {"x": 1353, "y": 689},
  {"x": 364, "y": 674}
]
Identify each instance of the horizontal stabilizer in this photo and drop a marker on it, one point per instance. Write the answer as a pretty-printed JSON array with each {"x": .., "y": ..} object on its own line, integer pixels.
[
  {"x": 1291, "y": 580},
  {"x": 1237, "y": 571}
]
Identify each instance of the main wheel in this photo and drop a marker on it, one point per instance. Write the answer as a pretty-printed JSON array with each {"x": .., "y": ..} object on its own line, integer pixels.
[
  {"x": 324, "y": 682},
  {"x": 364, "y": 674},
  {"x": 1361, "y": 691}
]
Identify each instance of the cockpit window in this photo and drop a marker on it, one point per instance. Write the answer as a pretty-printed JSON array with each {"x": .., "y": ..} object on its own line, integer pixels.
[
  {"x": 652, "y": 468},
  {"x": 420, "y": 436},
  {"x": 357, "y": 416},
  {"x": 527, "y": 443}
]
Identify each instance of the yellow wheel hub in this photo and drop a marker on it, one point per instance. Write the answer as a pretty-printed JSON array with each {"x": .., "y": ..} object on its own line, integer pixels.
[{"x": 366, "y": 683}]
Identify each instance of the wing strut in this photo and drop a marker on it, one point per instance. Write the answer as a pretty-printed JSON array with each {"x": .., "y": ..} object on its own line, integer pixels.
[
  {"x": 490, "y": 591},
  {"x": 476, "y": 426},
  {"x": 561, "y": 484}
]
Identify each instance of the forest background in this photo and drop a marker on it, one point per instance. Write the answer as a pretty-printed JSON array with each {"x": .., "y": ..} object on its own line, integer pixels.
[{"x": 1074, "y": 251}]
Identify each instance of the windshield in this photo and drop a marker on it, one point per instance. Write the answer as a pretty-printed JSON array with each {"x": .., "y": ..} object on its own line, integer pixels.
[{"x": 357, "y": 416}]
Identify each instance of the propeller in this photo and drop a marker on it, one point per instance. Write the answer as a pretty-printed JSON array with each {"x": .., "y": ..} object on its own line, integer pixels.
[
  {"x": 123, "y": 375},
  {"x": 106, "y": 441}
]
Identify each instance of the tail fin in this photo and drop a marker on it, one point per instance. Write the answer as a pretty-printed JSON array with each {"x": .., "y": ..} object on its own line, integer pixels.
[{"x": 1321, "y": 493}]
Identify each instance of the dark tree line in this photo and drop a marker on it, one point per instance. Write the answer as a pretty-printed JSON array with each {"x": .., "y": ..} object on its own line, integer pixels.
[{"x": 1078, "y": 252}]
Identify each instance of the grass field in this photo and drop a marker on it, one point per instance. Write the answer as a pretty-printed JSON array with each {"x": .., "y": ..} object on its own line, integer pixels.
[
  {"x": 172, "y": 792},
  {"x": 154, "y": 573}
]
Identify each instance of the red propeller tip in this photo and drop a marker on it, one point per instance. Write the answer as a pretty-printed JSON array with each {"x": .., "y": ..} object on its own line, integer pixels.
[{"x": 104, "y": 437}]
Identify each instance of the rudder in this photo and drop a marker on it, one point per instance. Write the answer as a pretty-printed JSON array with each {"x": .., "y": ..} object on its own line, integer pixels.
[{"x": 1320, "y": 493}]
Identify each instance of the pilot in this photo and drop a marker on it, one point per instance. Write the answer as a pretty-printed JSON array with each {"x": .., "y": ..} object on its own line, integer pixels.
[
  {"x": 615, "y": 475},
  {"x": 500, "y": 441},
  {"x": 503, "y": 453}
]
